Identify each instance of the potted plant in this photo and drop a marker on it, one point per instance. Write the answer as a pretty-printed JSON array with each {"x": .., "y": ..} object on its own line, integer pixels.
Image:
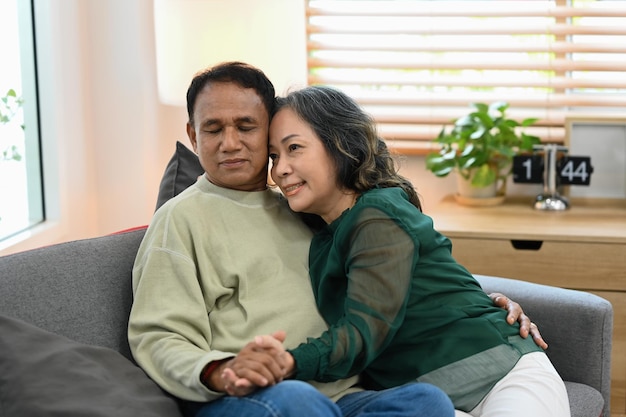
[{"x": 480, "y": 148}]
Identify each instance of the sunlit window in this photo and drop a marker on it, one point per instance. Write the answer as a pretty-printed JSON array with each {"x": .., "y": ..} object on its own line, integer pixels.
[
  {"x": 418, "y": 64},
  {"x": 21, "y": 201}
]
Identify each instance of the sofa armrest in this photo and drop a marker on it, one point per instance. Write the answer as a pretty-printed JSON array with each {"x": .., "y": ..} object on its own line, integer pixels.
[{"x": 577, "y": 326}]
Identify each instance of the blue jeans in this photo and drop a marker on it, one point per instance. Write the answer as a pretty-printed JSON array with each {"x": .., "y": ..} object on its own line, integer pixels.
[
  {"x": 286, "y": 399},
  {"x": 295, "y": 399},
  {"x": 409, "y": 400}
]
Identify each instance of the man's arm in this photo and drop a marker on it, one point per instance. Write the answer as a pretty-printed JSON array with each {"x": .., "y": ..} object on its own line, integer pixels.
[
  {"x": 169, "y": 333},
  {"x": 517, "y": 314}
]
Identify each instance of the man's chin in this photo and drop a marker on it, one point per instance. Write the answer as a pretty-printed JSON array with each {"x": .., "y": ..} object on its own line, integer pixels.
[{"x": 241, "y": 182}]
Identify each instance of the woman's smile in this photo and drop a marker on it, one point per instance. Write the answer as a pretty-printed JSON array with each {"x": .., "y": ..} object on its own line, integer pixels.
[{"x": 293, "y": 189}]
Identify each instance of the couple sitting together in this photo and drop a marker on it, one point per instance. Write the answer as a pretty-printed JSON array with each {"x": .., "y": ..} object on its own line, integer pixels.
[{"x": 333, "y": 297}]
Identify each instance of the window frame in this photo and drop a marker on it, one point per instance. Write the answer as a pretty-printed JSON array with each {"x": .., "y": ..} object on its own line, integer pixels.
[{"x": 31, "y": 154}]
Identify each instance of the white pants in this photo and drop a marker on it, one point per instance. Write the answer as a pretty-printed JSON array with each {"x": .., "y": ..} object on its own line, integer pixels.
[{"x": 533, "y": 388}]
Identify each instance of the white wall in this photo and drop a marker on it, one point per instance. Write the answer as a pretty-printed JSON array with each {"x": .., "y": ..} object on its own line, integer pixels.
[
  {"x": 190, "y": 35},
  {"x": 105, "y": 136}
]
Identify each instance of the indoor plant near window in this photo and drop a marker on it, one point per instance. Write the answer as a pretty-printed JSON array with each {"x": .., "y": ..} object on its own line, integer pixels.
[
  {"x": 480, "y": 148},
  {"x": 9, "y": 106}
]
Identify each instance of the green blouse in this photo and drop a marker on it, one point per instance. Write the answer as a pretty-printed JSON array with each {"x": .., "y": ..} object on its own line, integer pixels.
[{"x": 400, "y": 308}]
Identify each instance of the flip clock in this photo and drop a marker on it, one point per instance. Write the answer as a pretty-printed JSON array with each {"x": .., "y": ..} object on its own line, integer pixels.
[{"x": 550, "y": 165}]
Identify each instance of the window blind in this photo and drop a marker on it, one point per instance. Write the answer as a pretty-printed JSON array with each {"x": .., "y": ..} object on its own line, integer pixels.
[{"x": 416, "y": 65}]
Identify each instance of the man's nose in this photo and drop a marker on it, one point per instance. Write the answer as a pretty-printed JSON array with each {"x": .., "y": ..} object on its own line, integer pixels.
[{"x": 231, "y": 139}]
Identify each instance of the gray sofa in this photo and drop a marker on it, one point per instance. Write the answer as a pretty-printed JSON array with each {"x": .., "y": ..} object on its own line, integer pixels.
[{"x": 79, "y": 295}]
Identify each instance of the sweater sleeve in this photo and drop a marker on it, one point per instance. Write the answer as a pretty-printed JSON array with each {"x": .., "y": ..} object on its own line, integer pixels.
[
  {"x": 379, "y": 258},
  {"x": 169, "y": 330}
]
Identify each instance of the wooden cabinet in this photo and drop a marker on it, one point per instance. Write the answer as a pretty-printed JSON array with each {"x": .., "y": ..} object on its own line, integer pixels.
[{"x": 582, "y": 248}]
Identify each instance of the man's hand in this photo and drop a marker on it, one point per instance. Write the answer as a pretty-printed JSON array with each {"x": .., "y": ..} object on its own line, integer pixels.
[
  {"x": 244, "y": 374},
  {"x": 516, "y": 313}
]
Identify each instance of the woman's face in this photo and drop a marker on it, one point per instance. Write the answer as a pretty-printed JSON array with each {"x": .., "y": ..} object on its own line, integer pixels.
[{"x": 303, "y": 170}]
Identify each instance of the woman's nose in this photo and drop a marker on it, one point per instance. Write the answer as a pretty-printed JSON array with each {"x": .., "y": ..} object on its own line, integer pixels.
[{"x": 281, "y": 167}]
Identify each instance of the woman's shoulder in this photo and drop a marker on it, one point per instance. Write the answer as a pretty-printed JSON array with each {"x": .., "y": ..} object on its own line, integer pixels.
[
  {"x": 391, "y": 202},
  {"x": 384, "y": 196}
]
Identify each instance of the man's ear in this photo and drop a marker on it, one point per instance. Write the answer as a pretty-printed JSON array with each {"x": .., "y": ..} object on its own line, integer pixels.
[{"x": 191, "y": 133}]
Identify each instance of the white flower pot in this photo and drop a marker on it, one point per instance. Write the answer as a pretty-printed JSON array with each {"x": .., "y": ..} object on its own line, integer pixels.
[{"x": 476, "y": 196}]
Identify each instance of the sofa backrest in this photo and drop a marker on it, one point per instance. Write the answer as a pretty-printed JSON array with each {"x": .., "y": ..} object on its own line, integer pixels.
[{"x": 80, "y": 289}]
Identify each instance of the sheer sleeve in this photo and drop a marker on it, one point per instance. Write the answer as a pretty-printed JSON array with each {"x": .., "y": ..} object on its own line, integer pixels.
[{"x": 379, "y": 260}]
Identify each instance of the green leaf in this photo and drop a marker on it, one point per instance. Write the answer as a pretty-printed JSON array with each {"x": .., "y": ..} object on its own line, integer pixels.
[
  {"x": 449, "y": 154},
  {"x": 468, "y": 150},
  {"x": 509, "y": 123},
  {"x": 481, "y": 107},
  {"x": 483, "y": 176},
  {"x": 499, "y": 106},
  {"x": 478, "y": 133},
  {"x": 439, "y": 165},
  {"x": 483, "y": 120},
  {"x": 442, "y": 172},
  {"x": 465, "y": 121},
  {"x": 468, "y": 163},
  {"x": 529, "y": 122}
]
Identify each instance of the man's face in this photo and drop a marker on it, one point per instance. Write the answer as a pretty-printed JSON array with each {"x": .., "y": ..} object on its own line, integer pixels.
[{"x": 230, "y": 136}]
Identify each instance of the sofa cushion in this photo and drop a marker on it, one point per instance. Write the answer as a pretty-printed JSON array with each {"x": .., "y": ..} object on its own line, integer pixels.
[
  {"x": 182, "y": 170},
  {"x": 44, "y": 374},
  {"x": 81, "y": 290},
  {"x": 584, "y": 401}
]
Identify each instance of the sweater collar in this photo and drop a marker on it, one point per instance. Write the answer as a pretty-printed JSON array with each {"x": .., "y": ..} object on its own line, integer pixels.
[{"x": 265, "y": 198}]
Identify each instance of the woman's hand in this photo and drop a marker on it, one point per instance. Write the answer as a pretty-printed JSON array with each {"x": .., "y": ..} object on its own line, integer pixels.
[
  {"x": 245, "y": 374},
  {"x": 516, "y": 313}
]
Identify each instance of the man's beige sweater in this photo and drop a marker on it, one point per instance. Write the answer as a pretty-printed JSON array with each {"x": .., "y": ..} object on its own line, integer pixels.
[{"x": 216, "y": 268}]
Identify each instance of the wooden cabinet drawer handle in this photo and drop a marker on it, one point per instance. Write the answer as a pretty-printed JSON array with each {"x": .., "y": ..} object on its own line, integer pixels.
[{"x": 526, "y": 244}]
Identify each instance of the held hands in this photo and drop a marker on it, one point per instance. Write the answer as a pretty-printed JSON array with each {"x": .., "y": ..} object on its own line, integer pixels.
[
  {"x": 516, "y": 314},
  {"x": 261, "y": 363}
]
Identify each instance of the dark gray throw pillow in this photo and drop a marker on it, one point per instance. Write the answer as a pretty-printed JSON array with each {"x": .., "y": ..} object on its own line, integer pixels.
[
  {"x": 182, "y": 170},
  {"x": 44, "y": 374}
]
